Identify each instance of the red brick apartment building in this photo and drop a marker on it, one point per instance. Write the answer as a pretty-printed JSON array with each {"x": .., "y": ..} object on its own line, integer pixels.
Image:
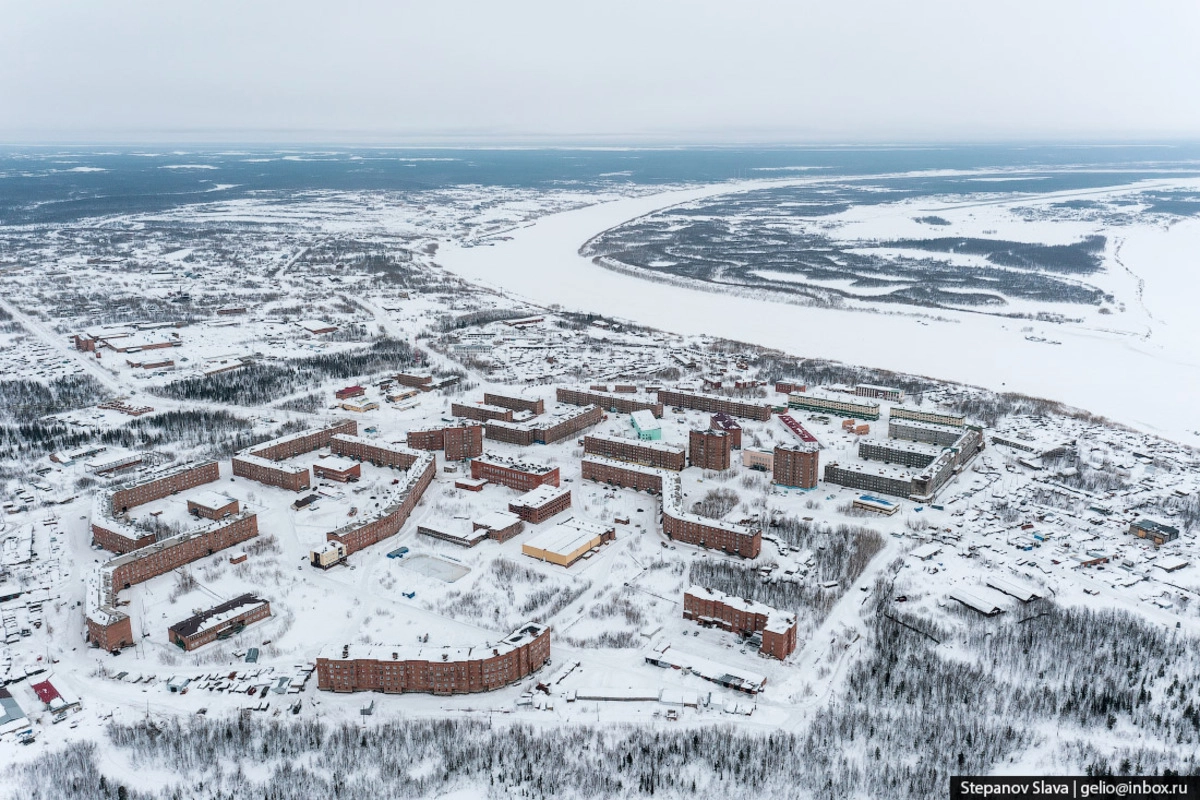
[
  {"x": 117, "y": 536},
  {"x": 532, "y": 405},
  {"x": 677, "y": 523},
  {"x": 427, "y": 439},
  {"x": 463, "y": 441},
  {"x": 797, "y": 465},
  {"x": 381, "y": 454},
  {"x": 257, "y": 463},
  {"x": 726, "y": 423},
  {"x": 360, "y": 535},
  {"x": 515, "y": 474},
  {"x": 422, "y": 381},
  {"x": 127, "y": 497},
  {"x": 544, "y": 430},
  {"x": 541, "y": 504},
  {"x": 112, "y": 635},
  {"x": 711, "y": 533},
  {"x": 107, "y": 626},
  {"x": 743, "y": 617},
  {"x": 218, "y": 622},
  {"x": 710, "y": 449},
  {"x": 175, "y": 551},
  {"x": 716, "y": 404},
  {"x": 481, "y": 412},
  {"x": 435, "y": 670},
  {"x": 270, "y": 473},
  {"x": 647, "y": 453},
  {"x": 349, "y": 391},
  {"x": 619, "y": 403},
  {"x": 303, "y": 442}
]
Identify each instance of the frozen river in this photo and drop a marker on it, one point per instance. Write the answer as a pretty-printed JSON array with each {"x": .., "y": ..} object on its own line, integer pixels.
[{"x": 1147, "y": 380}]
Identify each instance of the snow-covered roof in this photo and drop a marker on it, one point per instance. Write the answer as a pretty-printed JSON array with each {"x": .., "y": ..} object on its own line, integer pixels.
[
  {"x": 518, "y": 638},
  {"x": 568, "y": 536},
  {"x": 210, "y": 499},
  {"x": 540, "y": 496}
]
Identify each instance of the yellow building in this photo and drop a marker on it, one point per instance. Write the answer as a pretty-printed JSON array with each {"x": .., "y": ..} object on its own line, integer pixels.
[{"x": 568, "y": 541}]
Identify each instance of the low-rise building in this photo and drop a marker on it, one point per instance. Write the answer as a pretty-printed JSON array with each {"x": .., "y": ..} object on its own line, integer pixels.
[
  {"x": 540, "y": 504},
  {"x": 336, "y": 468},
  {"x": 219, "y": 622},
  {"x": 568, "y": 541},
  {"x": 514, "y": 473},
  {"x": 645, "y": 425},
  {"x": 212, "y": 505},
  {"x": 1156, "y": 532}
]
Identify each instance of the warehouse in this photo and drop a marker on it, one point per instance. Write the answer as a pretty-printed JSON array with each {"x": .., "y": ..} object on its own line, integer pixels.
[
  {"x": 568, "y": 541},
  {"x": 1156, "y": 532},
  {"x": 219, "y": 622},
  {"x": 540, "y": 504}
]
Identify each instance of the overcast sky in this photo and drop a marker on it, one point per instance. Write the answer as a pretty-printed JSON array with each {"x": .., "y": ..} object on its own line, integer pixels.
[{"x": 611, "y": 71}]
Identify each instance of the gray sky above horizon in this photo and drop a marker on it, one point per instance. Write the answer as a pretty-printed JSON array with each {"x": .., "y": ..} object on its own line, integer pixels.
[{"x": 527, "y": 70}]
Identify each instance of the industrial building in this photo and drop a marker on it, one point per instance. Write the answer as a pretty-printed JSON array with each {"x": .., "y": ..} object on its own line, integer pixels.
[
  {"x": 716, "y": 404},
  {"x": 515, "y": 474},
  {"x": 568, "y": 541},
  {"x": 540, "y": 504},
  {"x": 710, "y": 449},
  {"x": 726, "y": 423},
  {"x": 434, "y": 670},
  {"x": 777, "y": 629},
  {"x": 1156, "y": 532},
  {"x": 617, "y": 403},
  {"x": 219, "y": 622},
  {"x": 796, "y": 465},
  {"x": 650, "y": 454},
  {"x": 838, "y": 406}
]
